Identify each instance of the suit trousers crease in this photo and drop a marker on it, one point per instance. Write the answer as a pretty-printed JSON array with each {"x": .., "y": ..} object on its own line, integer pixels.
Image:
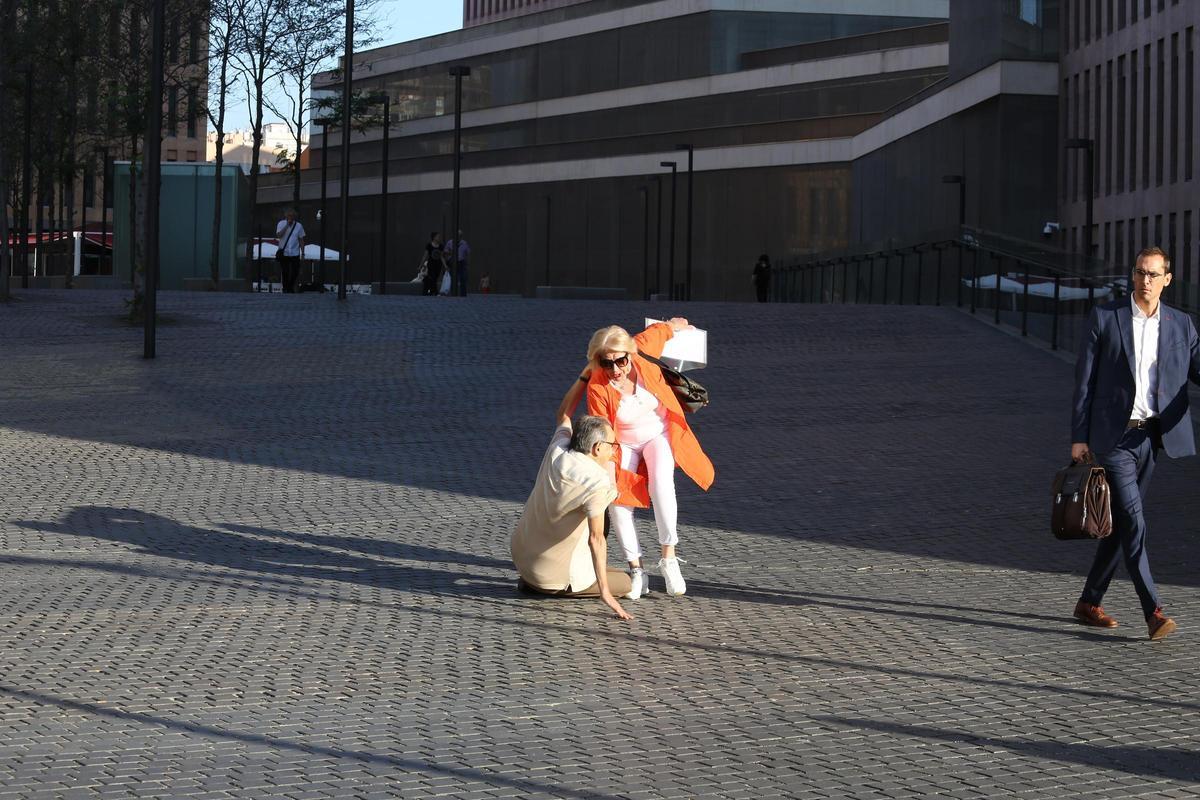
[{"x": 1128, "y": 467}]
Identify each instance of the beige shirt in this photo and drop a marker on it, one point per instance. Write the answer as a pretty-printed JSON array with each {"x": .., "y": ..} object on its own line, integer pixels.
[{"x": 550, "y": 544}]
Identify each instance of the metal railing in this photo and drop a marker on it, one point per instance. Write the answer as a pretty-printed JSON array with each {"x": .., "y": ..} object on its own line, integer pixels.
[{"x": 1043, "y": 292}]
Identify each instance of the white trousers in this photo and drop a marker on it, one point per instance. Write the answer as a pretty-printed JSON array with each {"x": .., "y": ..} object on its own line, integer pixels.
[{"x": 660, "y": 467}]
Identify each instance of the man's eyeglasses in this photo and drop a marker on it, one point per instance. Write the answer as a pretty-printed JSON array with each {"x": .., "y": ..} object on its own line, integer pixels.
[
  {"x": 1153, "y": 276},
  {"x": 609, "y": 363}
]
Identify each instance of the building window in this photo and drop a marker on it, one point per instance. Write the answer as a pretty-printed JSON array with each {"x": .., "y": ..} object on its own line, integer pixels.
[
  {"x": 1029, "y": 11},
  {"x": 1108, "y": 251},
  {"x": 1158, "y": 113},
  {"x": 107, "y": 189},
  {"x": 1119, "y": 253},
  {"x": 1174, "y": 107},
  {"x": 1171, "y": 239},
  {"x": 1087, "y": 20},
  {"x": 89, "y": 187},
  {"x": 1158, "y": 240},
  {"x": 191, "y": 112},
  {"x": 1122, "y": 121},
  {"x": 1108, "y": 129},
  {"x": 191, "y": 155},
  {"x": 1108, "y": 16},
  {"x": 173, "y": 41},
  {"x": 1134, "y": 114},
  {"x": 1189, "y": 106},
  {"x": 1122, "y": 19},
  {"x": 1146, "y": 117},
  {"x": 1187, "y": 247},
  {"x": 193, "y": 40},
  {"x": 1145, "y": 233},
  {"x": 172, "y": 116}
]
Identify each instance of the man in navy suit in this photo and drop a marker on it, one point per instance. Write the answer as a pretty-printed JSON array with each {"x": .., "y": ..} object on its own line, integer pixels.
[{"x": 1131, "y": 400}]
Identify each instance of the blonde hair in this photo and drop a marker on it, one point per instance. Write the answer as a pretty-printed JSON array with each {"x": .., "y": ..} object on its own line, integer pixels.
[{"x": 614, "y": 338}]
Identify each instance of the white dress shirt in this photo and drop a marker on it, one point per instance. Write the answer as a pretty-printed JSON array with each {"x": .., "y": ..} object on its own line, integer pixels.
[{"x": 1145, "y": 373}]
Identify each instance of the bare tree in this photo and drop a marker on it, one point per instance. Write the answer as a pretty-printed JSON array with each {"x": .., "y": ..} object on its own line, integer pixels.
[
  {"x": 224, "y": 26},
  {"x": 314, "y": 37},
  {"x": 262, "y": 28}
]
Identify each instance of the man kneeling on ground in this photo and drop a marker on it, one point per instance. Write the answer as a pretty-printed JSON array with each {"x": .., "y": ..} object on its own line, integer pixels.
[{"x": 558, "y": 546}]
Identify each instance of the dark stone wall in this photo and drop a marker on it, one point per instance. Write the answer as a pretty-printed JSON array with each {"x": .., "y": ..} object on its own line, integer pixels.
[
  {"x": 1006, "y": 149},
  {"x": 598, "y": 232}
]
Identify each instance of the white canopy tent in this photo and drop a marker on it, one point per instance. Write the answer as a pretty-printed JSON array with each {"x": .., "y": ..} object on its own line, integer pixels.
[{"x": 267, "y": 248}]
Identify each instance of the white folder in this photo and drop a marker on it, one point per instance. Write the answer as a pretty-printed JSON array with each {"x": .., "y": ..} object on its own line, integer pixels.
[{"x": 687, "y": 349}]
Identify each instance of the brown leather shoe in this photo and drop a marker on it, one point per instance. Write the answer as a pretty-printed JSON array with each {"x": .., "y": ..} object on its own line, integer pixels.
[
  {"x": 1089, "y": 614},
  {"x": 1161, "y": 626}
]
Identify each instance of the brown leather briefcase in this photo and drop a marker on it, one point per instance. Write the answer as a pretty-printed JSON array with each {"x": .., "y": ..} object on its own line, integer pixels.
[{"x": 1082, "y": 504}]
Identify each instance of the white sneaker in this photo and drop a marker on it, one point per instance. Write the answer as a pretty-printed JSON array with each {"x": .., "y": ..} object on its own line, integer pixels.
[
  {"x": 669, "y": 569},
  {"x": 641, "y": 583}
]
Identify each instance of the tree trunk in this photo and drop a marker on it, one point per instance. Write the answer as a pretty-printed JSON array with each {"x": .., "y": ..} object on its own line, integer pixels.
[
  {"x": 214, "y": 261},
  {"x": 254, "y": 156}
]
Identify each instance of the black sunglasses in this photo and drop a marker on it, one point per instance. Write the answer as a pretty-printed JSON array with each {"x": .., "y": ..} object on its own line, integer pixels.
[{"x": 609, "y": 363}]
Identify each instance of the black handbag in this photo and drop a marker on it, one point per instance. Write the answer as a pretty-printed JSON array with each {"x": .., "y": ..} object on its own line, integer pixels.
[{"x": 690, "y": 394}]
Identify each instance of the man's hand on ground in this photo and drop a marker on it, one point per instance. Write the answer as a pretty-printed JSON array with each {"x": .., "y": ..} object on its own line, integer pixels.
[{"x": 612, "y": 603}]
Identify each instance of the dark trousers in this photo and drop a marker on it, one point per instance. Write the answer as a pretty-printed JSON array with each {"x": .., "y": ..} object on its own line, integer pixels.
[
  {"x": 431, "y": 282},
  {"x": 289, "y": 268},
  {"x": 462, "y": 279},
  {"x": 1128, "y": 468},
  {"x": 761, "y": 290}
]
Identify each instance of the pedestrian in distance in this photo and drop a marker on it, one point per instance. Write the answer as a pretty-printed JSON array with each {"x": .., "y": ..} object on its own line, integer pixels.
[
  {"x": 653, "y": 437},
  {"x": 1131, "y": 403},
  {"x": 290, "y": 235},
  {"x": 431, "y": 264},
  {"x": 464, "y": 256},
  {"x": 762, "y": 277},
  {"x": 558, "y": 546}
]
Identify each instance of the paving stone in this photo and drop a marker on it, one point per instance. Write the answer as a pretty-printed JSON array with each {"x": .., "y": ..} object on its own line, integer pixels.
[{"x": 273, "y": 562}]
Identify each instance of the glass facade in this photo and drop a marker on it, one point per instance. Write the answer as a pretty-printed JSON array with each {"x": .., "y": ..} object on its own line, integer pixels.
[{"x": 665, "y": 50}]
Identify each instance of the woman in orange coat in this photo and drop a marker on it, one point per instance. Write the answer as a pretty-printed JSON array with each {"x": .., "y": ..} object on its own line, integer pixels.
[{"x": 654, "y": 436}]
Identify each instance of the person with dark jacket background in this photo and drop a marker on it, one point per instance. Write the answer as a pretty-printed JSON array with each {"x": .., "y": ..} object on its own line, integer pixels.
[{"x": 762, "y": 277}]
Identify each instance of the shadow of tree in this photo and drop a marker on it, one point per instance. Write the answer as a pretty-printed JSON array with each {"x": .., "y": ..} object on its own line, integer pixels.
[{"x": 1167, "y": 763}]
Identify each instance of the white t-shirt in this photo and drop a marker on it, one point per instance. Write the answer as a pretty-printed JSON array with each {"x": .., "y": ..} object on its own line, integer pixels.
[
  {"x": 640, "y": 417},
  {"x": 549, "y": 546},
  {"x": 292, "y": 246}
]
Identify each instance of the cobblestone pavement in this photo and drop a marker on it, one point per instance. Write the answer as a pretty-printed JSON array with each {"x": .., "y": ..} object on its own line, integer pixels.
[{"x": 273, "y": 563}]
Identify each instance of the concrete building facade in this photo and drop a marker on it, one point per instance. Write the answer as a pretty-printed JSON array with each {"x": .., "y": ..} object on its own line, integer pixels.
[
  {"x": 567, "y": 118},
  {"x": 1128, "y": 84}
]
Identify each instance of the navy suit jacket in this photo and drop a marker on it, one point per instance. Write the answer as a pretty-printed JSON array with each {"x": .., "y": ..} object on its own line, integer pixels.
[{"x": 1104, "y": 378}]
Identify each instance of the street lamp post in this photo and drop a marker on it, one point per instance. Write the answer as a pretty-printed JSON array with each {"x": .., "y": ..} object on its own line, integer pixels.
[
  {"x": 383, "y": 196},
  {"x": 961, "y": 180},
  {"x": 1089, "y": 148},
  {"x": 103, "y": 208},
  {"x": 27, "y": 175},
  {"x": 153, "y": 174},
  {"x": 691, "y": 180},
  {"x": 458, "y": 72},
  {"x": 321, "y": 212},
  {"x": 671, "y": 259},
  {"x": 347, "y": 78}
]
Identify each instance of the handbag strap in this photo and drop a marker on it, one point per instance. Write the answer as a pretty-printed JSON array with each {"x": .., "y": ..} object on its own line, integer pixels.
[{"x": 286, "y": 236}]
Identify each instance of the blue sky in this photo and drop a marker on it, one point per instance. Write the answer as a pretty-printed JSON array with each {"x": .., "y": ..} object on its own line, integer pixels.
[{"x": 399, "y": 21}]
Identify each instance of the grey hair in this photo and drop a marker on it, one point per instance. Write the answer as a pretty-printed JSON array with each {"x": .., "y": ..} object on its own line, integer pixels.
[{"x": 588, "y": 432}]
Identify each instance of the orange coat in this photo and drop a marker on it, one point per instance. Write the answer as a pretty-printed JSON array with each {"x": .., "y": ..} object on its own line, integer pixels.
[{"x": 603, "y": 399}]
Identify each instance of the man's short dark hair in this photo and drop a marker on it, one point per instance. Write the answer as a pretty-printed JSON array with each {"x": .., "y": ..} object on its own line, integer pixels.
[
  {"x": 588, "y": 431},
  {"x": 1153, "y": 251}
]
